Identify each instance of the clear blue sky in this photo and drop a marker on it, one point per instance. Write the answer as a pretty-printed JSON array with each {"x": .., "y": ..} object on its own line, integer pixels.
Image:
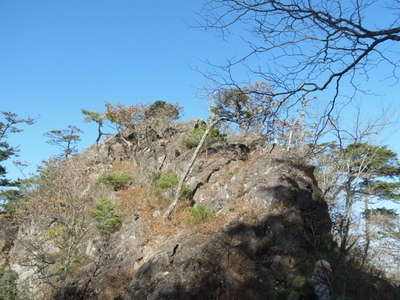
[{"x": 57, "y": 57}]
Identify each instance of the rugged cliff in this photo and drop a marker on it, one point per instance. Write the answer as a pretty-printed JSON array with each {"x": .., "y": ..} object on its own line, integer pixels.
[{"x": 266, "y": 226}]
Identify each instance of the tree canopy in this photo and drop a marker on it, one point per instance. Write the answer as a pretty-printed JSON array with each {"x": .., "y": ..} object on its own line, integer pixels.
[
  {"x": 65, "y": 139},
  {"x": 162, "y": 109}
]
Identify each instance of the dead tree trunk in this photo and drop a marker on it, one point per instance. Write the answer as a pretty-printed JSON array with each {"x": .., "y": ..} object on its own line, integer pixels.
[{"x": 213, "y": 121}]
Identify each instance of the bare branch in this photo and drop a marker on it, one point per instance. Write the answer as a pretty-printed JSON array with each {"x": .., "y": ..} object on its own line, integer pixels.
[{"x": 301, "y": 47}]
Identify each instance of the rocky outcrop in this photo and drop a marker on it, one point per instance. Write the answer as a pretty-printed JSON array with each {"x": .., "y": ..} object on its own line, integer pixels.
[
  {"x": 270, "y": 220},
  {"x": 269, "y": 228},
  {"x": 246, "y": 257}
]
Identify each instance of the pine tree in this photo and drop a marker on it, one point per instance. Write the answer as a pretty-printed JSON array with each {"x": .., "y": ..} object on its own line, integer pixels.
[
  {"x": 371, "y": 173},
  {"x": 378, "y": 180},
  {"x": 66, "y": 139},
  {"x": 98, "y": 118},
  {"x": 9, "y": 124}
]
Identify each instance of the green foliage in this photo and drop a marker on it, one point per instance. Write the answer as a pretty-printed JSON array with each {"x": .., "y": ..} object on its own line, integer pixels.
[
  {"x": 65, "y": 139},
  {"x": 96, "y": 117},
  {"x": 250, "y": 107},
  {"x": 93, "y": 116},
  {"x": 165, "y": 183},
  {"x": 186, "y": 193},
  {"x": 116, "y": 180},
  {"x": 57, "y": 232},
  {"x": 376, "y": 160},
  {"x": 9, "y": 124},
  {"x": 8, "y": 286},
  {"x": 162, "y": 109},
  {"x": 377, "y": 165},
  {"x": 193, "y": 139},
  {"x": 107, "y": 220},
  {"x": 9, "y": 201},
  {"x": 200, "y": 214}
]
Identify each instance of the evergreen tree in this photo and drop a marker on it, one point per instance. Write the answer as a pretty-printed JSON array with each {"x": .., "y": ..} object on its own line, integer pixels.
[
  {"x": 376, "y": 173},
  {"x": 98, "y": 118},
  {"x": 363, "y": 172},
  {"x": 66, "y": 139},
  {"x": 9, "y": 124},
  {"x": 162, "y": 109}
]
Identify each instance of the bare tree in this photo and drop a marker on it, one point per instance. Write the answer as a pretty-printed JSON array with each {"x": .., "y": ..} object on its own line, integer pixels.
[
  {"x": 56, "y": 209},
  {"x": 301, "y": 47},
  {"x": 385, "y": 235}
]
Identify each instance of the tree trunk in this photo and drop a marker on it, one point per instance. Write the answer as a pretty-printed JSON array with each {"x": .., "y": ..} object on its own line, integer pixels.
[
  {"x": 346, "y": 219},
  {"x": 366, "y": 232},
  {"x": 188, "y": 170}
]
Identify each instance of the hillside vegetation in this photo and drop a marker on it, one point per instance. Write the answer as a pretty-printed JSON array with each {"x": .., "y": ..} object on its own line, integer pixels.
[{"x": 250, "y": 220}]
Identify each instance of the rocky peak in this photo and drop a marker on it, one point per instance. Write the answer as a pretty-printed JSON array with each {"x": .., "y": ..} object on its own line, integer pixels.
[{"x": 268, "y": 224}]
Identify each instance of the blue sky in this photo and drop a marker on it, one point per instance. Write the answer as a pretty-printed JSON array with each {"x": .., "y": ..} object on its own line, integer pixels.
[
  {"x": 60, "y": 56},
  {"x": 57, "y": 57}
]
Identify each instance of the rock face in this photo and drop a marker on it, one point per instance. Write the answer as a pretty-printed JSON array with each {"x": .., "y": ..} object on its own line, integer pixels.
[
  {"x": 247, "y": 256},
  {"x": 8, "y": 232},
  {"x": 270, "y": 217},
  {"x": 270, "y": 226}
]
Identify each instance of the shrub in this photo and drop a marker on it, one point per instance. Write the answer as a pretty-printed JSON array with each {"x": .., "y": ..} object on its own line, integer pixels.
[
  {"x": 186, "y": 193},
  {"x": 57, "y": 232},
  {"x": 8, "y": 286},
  {"x": 193, "y": 139},
  {"x": 167, "y": 183},
  {"x": 200, "y": 214},
  {"x": 116, "y": 180},
  {"x": 107, "y": 220}
]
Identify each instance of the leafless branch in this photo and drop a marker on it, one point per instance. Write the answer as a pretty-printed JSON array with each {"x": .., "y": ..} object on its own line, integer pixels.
[{"x": 301, "y": 47}]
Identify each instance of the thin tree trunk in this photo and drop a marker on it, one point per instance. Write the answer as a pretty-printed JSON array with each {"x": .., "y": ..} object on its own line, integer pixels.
[
  {"x": 188, "y": 170},
  {"x": 366, "y": 232},
  {"x": 289, "y": 142},
  {"x": 345, "y": 222}
]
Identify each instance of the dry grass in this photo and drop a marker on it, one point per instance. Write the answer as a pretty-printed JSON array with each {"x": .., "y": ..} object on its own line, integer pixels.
[
  {"x": 141, "y": 200},
  {"x": 133, "y": 200},
  {"x": 150, "y": 208},
  {"x": 126, "y": 167}
]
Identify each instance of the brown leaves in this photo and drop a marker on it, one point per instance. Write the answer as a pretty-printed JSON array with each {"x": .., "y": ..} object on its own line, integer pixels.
[{"x": 124, "y": 116}]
